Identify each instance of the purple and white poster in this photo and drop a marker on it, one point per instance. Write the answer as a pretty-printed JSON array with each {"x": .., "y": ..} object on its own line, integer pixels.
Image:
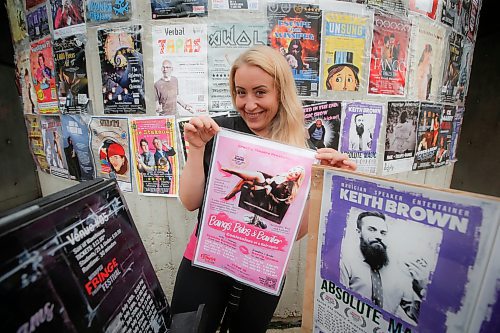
[
  {"x": 395, "y": 257},
  {"x": 361, "y": 124}
]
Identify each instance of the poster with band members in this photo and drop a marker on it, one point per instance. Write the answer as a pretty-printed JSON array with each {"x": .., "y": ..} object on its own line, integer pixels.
[
  {"x": 295, "y": 33},
  {"x": 23, "y": 73},
  {"x": 180, "y": 69},
  {"x": 322, "y": 120},
  {"x": 389, "y": 55},
  {"x": 424, "y": 7},
  {"x": 17, "y": 19},
  {"x": 451, "y": 71},
  {"x": 345, "y": 37},
  {"x": 35, "y": 139},
  {"x": 235, "y": 4},
  {"x": 361, "y": 123},
  {"x": 401, "y": 136},
  {"x": 465, "y": 70},
  {"x": 253, "y": 209},
  {"x": 397, "y": 279},
  {"x": 66, "y": 13},
  {"x": 43, "y": 75},
  {"x": 72, "y": 83},
  {"x": 53, "y": 145},
  {"x": 426, "y": 70},
  {"x": 390, "y": 6},
  {"x": 76, "y": 141},
  {"x": 122, "y": 70},
  {"x": 38, "y": 23},
  {"x": 109, "y": 141},
  {"x": 155, "y": 155},
  {"x": 450, "y": 11},
  {"x": 455, "y": 132},
  {"x": 76, "y": 263},
  {"x": 104, "y": 11},
  {"x": 226, "y": 42},
  {"x": 429, "y": 120},
  {"x": 444, "y": 136},
  {"x": 178, "y": 8}
]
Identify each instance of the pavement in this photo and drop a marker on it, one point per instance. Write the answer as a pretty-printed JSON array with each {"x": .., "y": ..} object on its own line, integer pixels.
[{"x": 285, "y": 330}]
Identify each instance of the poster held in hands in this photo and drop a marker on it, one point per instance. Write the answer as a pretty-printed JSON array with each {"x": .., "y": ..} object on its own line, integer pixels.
[{"x": 256, "y": 193}]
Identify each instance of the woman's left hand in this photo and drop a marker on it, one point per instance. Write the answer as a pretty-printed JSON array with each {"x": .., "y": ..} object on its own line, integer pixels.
[{"x": 331, "y": 157}]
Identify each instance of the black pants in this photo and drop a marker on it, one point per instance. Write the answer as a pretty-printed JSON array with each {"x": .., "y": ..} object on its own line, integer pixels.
[{"x": 195, "y": 286}]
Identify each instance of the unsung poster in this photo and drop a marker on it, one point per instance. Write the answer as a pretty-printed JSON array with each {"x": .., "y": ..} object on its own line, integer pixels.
[
  {"x": 23, "y": 73},
  {"x": 226, "y": 41},
  {"x": 361, "y": 123},
  {"x": 429, "y": 120},
  {"x": 427, "y": 62},
  {"x": 451, "y": 74},
  {"x": 295, "y": 33},
  {"x": 76, "y": 141},
  {"x": 389, "y": 55},
  {"x": 77, "y": 264},
  {"x": 180, "y": 69},
  {"x": 385, "y": 252},
  {"x": 253, "y": 209},
  {"x": 154, "y": 150},
  {"x": 43, "y": 75},
  {"x": 53, "y": 145},
  {"x": 345, "y": 38},
  {"x": 66, "y": 13},
  {"x": 104, "y": 11},
  {"x": 38, "y": 23},
  {"x": 401, "y": 136},
  {"x": 72, "y": 83},
  {"x": 17, "y": 19},
  {"x": 162, "y": 9},
  {"x": 122, "y": 71},
  {"x": 35, "y": 140},
  {"x": 109, "y": 141},
  {"x": 322, "y": 120}
]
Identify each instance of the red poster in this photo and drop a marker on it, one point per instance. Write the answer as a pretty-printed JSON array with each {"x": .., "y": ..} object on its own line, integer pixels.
[
  {"x": 389, "y": 55},
  {"x": 43, "y": 75}
]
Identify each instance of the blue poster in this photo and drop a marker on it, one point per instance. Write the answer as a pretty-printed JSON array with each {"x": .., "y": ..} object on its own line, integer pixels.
[{"x": 76, "y": 147}]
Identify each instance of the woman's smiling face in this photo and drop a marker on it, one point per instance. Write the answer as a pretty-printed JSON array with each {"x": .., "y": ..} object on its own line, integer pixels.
[{"x": 257, "y": 98}]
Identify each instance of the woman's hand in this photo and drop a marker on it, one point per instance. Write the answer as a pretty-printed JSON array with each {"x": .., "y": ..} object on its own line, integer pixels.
[
  {"x": 331, "y": 157},
  {"x": 199, "y": 131}
]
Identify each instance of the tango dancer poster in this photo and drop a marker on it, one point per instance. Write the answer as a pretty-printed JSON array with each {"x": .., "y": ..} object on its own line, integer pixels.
[
  {"x": 154, "y": 150},
  {"x": 397, "y": 279},
  {"x": 109, "y": 140},
  {"x": 295, "y": 33},
  {"x": 122, "y": 70},
  {"x": 389, "y": 55},
  {"x": 253, "y": 208}
]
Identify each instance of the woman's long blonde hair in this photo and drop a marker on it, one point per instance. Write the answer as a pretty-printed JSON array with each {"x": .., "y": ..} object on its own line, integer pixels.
[{"x": 288, "y": 125}]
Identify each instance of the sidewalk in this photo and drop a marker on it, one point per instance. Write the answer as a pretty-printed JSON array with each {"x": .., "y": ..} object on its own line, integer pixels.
[{"x": 285, "y": 330}]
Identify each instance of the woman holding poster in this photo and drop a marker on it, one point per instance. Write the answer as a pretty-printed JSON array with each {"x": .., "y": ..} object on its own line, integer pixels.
[{"x": 263, "y": 91}]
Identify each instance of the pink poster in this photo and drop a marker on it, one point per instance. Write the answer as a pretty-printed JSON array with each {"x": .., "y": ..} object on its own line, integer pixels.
[
  {"x": 43, "y": 75},
  {"x": 256, "y": 193}
]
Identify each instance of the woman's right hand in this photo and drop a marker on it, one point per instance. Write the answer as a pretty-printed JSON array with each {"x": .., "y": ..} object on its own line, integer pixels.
[{"x": 199, "y": 131}]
